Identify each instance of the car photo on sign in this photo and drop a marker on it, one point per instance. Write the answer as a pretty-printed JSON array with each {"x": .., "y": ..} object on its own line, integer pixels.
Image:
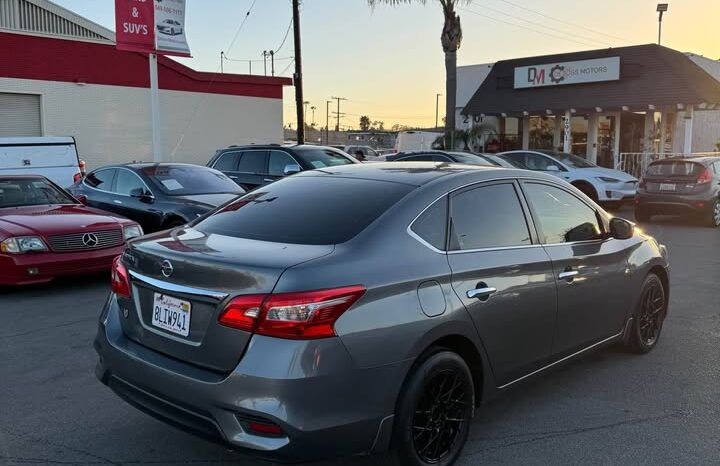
[{"x": 170, "y": 27}]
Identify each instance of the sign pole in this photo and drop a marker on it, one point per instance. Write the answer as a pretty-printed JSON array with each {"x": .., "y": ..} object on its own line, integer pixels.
[{"x": 155, "y": 109}]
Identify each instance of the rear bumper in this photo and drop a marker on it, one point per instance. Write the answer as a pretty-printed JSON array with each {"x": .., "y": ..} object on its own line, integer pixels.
[
  {"x": 674, "y": 204},
  {"x": 14, "y": 269},
  {"x": 325, "y": 405}
]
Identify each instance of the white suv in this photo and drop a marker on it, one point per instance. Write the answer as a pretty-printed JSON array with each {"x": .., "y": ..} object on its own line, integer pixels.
[{"x": 598, "y": 183}]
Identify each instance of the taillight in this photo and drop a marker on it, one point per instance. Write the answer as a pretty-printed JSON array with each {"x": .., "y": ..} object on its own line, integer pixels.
[
  {"x": 77, "y": 177},
  {"x": 301, "y": 316},
  {"x": 120, "y": 283},
  {"x": 82, "y": 167},
  {"x": 263, "y": 428},
  {"x": 705, "y": 177}
]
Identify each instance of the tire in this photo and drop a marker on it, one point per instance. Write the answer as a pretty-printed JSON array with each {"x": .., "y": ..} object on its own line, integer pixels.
[
  {"x": 642, "y": 214},
  {"x": 712, "y": 217},
  {"x": 588, "y": 190},
  {"x": 649, "y": 316},
  {"x": 432, "y": 421}
]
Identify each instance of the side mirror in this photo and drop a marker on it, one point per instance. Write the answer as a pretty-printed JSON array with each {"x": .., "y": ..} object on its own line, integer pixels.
[
  {"x": 141, "y": 194},
  {"x": 82, "y": 199},
  {"x": 552, "y": 168},
  {"x": 621, "y": 228},
  {"x": 291, "y": 169}
]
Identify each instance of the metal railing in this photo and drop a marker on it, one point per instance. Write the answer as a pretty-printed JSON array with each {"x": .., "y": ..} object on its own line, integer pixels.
[{"x": 636, "y": 163}]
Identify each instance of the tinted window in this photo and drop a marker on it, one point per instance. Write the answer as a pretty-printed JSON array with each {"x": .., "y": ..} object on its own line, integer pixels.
[
  {"x": 431, "y": 226},
  {"x": 538, "y": 162},
  {"x": 278, "y": 162},
  {"x": 570, "y": 159},
  {"x": 306, "y": 210},
  {"x": 183, "y": 180},
  {"x": 101, "y": 179},
  {"x": 488, "y": 217},
  {"x": 471, "y": 159},
  {"x": 127, "y": 182},
  {"x": 675, "y": 168},
  {"x": 227, "y": 162},
  {"x": 322, "y": 158},
  {"x": 31, "y": 191},
  {"x": 418, "y": 158},
  {"x": 253, "y": 162},
  {"x": 563, "y": 217}
]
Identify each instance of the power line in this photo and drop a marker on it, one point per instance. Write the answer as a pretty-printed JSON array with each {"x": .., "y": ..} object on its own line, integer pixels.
[
  {"x": 287, "y": 33},
  {"x": 580, "y": 26},
  {"x": 255, "y": 60},
  {"x": 287, "y": 68},
  {"x": 544, "y": 26},
  {"x": 526, "y": 27},
  {"x": 242, "y": 24}
]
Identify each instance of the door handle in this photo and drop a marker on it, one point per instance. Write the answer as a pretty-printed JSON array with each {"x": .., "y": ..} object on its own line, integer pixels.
[
  {"x": 233, "y": 177},
  {"x": 268, "y": 180},
  {"x": 568, "y": 275},
  {"x": 481, "y": 292},
  {"x": 117, "y": 202}
]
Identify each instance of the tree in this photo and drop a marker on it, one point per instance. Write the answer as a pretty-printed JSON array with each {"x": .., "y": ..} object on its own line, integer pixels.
[
  {"x": 364, "y": 123},
  {"x": 450, "y": 38},
  {"x": 378, "y": 126}
]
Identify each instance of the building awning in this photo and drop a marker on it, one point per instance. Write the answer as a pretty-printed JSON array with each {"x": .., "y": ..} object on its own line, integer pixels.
[{"x": 650, "y": 76}]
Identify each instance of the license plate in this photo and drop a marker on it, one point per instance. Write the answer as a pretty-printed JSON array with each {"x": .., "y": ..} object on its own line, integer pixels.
[
  {"x": 667, "y": 187},
  {"x": 171, "y": 314}
]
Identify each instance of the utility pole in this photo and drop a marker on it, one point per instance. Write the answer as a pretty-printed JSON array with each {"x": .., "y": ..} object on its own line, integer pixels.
[
  {"x": 437, "y": 108},
  {"x": 661, "y": 8},
  {"x": 272, "y": 62},
  {"x": 265, "y": 55},
  {"x": 250, "y": 65},
  {"x": 298, "y": 74},
  {"x": 222, "y": 60},
  {"x": 305, "y": 104},
  {"x": 337, "y": 125},
  {"x": 327, "y": 121},
  {"x": 313, "y": 108}
]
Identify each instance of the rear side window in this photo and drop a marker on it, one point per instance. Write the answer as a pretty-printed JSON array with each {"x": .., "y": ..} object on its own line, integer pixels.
[
  {"x": 675, "y": 168},
  {"x": 431, "y": 226},
  {"x": 227, "y": 162},
  {"x": 101, "y": 179},
  {"x": 253, "y": 161},
  {"x": 306, "y": 210},
  {"x": 322, "y": 158},
  {"x": 488, "y": 217}
]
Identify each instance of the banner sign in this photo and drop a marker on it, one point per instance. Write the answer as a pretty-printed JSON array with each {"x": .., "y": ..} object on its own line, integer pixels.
[
  {"x": 134, "y": 25},
  {"x": 574, "y": 72},
  {"x": 170, "y": 28}
]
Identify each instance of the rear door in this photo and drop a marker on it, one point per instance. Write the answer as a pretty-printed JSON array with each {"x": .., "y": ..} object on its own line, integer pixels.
[
  {"x": 590, "y": 269},
  {"x": 252, "y": 169},
  {"x": 503, "y": 277},
  {"x": 98, "y": 187}
]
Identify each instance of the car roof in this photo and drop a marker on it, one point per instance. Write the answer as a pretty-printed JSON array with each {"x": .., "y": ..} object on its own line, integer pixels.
[{"x": 410, "y": 173}]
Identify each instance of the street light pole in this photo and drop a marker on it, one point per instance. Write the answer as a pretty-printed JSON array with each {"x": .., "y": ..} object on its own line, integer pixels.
[
  {"x": 661, "y": 8},
  {"x": 327, "y": 121},
  {"x": 437, "y": 108}
]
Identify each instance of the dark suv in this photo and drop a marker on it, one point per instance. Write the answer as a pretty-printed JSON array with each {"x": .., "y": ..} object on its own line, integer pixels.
[
  {"x": 681, "y": 186},
  {"x": 257, "y": 165}
]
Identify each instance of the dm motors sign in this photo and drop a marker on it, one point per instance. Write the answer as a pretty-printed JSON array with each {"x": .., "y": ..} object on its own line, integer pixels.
[{"x": 574, "y": 72}]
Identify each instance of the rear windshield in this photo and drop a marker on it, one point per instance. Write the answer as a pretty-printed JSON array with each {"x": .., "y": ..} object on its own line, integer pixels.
[
  {"x": 675, "y": 168},
  {"x": 323, "y": 158},
  {"x": 306, "y": 210},
  {"x": 185, "y": 180},
  {"x": 471, "y": 159}
]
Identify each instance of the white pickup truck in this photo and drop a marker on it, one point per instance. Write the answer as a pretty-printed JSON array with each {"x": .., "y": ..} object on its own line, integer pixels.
[{"x": 55, "y": 158}]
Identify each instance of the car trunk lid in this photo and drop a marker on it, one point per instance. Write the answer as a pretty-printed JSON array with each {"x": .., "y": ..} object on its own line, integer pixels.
[{"x": 181, "y": 281}]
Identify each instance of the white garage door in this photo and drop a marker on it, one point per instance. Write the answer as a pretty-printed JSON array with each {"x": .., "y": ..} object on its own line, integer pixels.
[{"x": 20, "y": 115}]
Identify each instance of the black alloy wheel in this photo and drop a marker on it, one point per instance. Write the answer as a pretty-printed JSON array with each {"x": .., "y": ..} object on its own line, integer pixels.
[
  {"x": 435, "y": 411},
  {"x": 649, "y": 317}
]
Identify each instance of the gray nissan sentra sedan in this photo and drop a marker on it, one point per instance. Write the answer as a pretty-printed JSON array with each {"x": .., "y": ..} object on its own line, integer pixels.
[{"x": 361, "y": 308}]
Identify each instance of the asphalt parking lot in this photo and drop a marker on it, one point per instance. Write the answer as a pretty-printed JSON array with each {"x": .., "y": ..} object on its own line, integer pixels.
[{"x": 609, "y": 408}]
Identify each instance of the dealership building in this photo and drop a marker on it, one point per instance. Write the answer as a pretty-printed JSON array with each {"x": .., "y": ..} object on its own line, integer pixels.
[
  {"x": 610, "y": 106},
  {"x": 61, "y": 75}
]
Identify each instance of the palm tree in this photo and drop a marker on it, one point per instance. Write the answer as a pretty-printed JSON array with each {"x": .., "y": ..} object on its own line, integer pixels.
[{"x": 451, "y": 38}]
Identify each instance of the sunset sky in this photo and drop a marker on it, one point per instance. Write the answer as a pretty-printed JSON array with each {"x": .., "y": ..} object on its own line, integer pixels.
[{"x": 388, "y": 61}]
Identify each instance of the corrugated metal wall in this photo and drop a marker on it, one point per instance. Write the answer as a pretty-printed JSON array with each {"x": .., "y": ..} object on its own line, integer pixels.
[{"x": 26, "y": 16}]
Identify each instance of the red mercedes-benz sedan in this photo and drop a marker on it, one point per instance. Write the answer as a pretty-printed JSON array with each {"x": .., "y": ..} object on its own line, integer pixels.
[{"x": 46, "y": 233}]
